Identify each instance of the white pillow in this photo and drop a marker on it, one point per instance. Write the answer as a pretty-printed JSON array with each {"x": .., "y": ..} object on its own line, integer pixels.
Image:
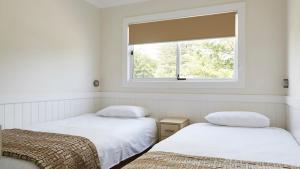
[
  {"x": 123, "y": 111},
  {"x": 238, "y": 119}
]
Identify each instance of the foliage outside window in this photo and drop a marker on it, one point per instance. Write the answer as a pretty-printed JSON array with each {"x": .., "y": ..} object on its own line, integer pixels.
[{"x": 206, "y": 59}]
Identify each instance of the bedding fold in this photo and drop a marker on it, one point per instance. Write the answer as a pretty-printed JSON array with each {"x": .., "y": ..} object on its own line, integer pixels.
[
  {"x": 166, "y": 160},
  {"x": 50, "y": 150}
]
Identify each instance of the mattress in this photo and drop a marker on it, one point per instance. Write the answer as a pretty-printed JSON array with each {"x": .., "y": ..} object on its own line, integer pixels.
[
  {"x": 250, "y": 144},
  {"x": 116, "y": 139}
]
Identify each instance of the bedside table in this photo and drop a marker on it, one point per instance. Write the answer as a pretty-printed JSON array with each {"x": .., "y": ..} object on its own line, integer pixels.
[{"x": 169, "y": 126}]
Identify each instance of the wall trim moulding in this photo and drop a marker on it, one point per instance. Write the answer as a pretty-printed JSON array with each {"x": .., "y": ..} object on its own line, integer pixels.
[
  {"x": 113, "y": 3},
  {"x": 26, "y": 98},
  {"x": 12, "y": 99},
  {"x": 197, "y": 97},
  {"x": 293, "y": 102}
]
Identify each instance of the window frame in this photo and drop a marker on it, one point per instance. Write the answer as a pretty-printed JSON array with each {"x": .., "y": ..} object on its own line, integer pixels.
[{"x": 239, "y": 66}]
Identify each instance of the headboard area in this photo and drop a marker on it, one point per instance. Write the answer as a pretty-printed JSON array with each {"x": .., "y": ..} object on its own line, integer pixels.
[{"x": 293, "y": 119}]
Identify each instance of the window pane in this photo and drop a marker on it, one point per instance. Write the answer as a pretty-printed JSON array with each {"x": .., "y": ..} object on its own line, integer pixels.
[
  {"x": 208, "y": 59},
  {"x": 155, "y": 60}
]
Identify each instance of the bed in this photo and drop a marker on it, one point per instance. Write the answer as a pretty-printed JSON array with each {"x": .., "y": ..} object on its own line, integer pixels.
[
  {"x": 116, "y": 139},
  {"x": 220, "y": 144}
]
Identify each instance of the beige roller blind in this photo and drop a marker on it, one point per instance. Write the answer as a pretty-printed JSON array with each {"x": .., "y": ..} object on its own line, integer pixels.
[{"x": 200, "y": 27}]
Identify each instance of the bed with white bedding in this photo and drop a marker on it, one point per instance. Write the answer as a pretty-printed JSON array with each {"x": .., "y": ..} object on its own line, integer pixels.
[
  {"x": 271, "y": 145},
  {"x": 116, "y": 139}
]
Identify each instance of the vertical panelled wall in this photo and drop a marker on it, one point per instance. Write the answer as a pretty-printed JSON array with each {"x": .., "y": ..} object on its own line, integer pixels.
[
  {"x": 196, "y": 107},
  {"x": 24, "y": 114},
  {"x": 293, "y": 117},
  {"x": 21, "y": 114}
]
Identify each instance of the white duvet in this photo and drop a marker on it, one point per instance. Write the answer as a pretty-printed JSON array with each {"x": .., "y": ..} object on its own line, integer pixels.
[
  {"x": 251, "y": 144},
  {"x": 116, "y": 139}
]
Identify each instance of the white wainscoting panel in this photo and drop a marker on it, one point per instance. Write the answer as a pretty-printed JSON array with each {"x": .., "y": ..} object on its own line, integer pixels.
[
  {"x": 20, "y": 112},
  {"x": 293, "y": 116},
  {"x": 196, "y": 107},
  {"x": 23, "y": 114}
]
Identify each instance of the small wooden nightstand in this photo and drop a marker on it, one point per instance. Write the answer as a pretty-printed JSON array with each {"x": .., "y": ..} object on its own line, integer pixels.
[{"x": 169, "y": 126}]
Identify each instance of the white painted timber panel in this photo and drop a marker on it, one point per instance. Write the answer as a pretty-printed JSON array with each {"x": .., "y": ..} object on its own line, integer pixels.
[
  {"x": 2, "y": 115},
  {"x": 25, "y": 112}
]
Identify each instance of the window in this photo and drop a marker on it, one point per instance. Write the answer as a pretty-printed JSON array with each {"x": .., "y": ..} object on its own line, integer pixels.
[
  {"x": 184, "y": 60},
  {"x": 195, "y": 48}
]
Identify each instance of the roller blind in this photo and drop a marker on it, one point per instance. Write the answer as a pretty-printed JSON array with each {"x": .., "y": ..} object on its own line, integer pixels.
[{"x": 199, "y": 27}]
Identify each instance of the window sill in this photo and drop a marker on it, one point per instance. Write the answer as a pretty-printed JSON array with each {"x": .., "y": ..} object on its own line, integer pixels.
[{"x": 184, "y": 84}]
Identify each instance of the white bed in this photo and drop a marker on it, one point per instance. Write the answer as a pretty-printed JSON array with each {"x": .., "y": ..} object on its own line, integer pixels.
[
  {"x": 250, "y": 144},
  {"x": 116, "y": 139}
]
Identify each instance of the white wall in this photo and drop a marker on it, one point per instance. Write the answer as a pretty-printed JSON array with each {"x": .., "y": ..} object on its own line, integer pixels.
[
  {"x": 48, "y": 46},
  {"x": 294, "y": 67},
  {"x": 265, "y": 63},
  {"x": 265, "y": 44}
]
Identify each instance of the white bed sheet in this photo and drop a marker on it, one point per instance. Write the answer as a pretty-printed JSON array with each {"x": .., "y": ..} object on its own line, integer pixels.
[
  {"x": 250, "y": 144},
  {"x": 116, "y": 139}
]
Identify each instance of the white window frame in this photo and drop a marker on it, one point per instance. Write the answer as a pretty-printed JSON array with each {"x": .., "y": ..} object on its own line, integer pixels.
[{"x": 239, "y": 64}]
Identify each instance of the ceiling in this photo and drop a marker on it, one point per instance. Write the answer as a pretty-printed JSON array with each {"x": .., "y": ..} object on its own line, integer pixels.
[{"x": 110, "y": 3}]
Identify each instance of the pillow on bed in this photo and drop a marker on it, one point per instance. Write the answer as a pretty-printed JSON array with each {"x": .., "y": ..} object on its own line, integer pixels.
[
  {"x": 123, "y": 111},
  {"x": 238, "y": 119}
]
